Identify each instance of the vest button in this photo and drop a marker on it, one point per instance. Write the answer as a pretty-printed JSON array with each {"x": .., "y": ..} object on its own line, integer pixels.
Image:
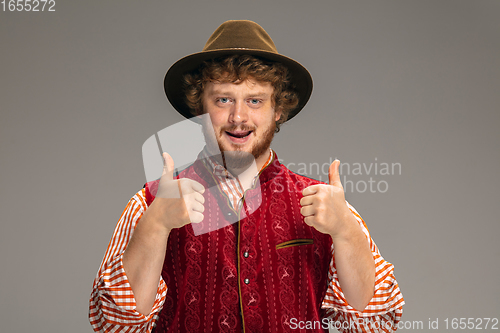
[
  {"x": 246, "y": 254},
  {"x": 229, "y": 214},
  {"x": 247, "y": 281}
]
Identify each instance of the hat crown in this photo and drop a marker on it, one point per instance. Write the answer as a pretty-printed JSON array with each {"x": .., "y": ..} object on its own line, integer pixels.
[{"x": 240, "y": 34}]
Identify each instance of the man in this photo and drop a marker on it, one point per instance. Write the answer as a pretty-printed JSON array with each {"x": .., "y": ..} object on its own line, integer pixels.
[{"x": 298, "y": 255}]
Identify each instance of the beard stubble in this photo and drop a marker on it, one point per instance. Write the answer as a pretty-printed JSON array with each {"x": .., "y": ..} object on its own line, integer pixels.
[{"x": 238, "y": 160}]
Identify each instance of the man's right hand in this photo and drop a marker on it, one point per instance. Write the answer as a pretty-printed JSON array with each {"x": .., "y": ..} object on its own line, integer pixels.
[{"x": 178, "y": 201}]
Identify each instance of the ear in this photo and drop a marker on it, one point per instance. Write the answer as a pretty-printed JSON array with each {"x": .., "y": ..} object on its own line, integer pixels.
[{"x": 277, "y": 114}]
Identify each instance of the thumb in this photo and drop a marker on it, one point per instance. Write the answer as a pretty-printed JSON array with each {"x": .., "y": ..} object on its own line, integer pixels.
[
  {"x": 168, "y": 167},
  {"x": 333, "y": 174}
]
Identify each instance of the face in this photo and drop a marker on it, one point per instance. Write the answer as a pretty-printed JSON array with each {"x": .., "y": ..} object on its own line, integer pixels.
[{"x": 243, "y": 118}]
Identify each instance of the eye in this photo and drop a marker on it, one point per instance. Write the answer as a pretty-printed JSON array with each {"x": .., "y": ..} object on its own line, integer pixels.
[
  {"x": 223, "y": 100},
  {"x": 254, "y": 102}
]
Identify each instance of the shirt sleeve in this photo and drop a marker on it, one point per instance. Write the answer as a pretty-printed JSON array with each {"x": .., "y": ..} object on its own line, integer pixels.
[
  {"x": 112, "y": 306},
  {"x": 385, "y": 309}
]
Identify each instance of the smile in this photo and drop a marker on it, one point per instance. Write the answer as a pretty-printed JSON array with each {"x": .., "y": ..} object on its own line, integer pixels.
[
  {"x": 238, "y": 137},
  {"x": 239, "y": 134}
]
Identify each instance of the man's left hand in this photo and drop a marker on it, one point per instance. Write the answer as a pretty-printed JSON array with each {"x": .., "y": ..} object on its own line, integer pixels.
[{"x": 324, "y": 206}]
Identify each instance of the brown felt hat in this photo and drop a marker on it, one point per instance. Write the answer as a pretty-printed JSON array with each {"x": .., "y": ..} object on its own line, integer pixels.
[{"x": 235, "y": 37}]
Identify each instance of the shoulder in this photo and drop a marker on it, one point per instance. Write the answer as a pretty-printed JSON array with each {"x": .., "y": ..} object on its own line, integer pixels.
[
  {"x": 140, "y": 196},
  {"x": 138, "y": 202}
]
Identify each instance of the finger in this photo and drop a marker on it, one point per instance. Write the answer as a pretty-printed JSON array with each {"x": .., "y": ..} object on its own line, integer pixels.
[
  {"x": 185, "y": 187},
  {"x": 309, "y": 220},
  {"x": 197, "y": 207},
  {"x": 168, "y": 166},
  {"x": 306, "y": 201},
  {"x": 196, "y": 217},
  {"x": 198, "y": 197},
  {"x": 307, "y": 211},
  {"x": 333, "y": 174},
  {"x": 193, "y": 197},
  {"x": 310, "y": 190},
  {"x": 196, "y": 186}
]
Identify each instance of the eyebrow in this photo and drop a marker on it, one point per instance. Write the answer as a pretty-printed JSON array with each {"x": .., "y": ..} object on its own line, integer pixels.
[{"x": 224, "y": 92}]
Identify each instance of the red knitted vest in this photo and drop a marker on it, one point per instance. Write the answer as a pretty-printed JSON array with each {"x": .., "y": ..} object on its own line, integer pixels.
[{"x": 261, "y": 274}]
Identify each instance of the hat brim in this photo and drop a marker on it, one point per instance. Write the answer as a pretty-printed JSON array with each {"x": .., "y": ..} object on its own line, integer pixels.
[{"x": 173, "y": 83}]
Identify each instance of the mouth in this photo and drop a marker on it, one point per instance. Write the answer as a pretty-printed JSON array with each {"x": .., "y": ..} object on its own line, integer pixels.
[
  {"x": 238, "y": 137},
  {"x": 239, "y": 134}
]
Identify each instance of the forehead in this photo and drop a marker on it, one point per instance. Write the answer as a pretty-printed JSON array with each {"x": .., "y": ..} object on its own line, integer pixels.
[{"x": 248, "y": 86}]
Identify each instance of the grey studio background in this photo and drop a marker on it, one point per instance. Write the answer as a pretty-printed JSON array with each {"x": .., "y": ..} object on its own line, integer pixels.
[{"x": 410, "y": 83}]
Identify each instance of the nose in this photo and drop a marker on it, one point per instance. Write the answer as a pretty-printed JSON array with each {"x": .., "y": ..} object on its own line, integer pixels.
[{"x": 239, "y": 113}]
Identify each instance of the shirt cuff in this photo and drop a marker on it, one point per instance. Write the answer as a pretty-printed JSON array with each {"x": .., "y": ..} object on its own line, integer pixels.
[
  {"x": 117, "y": 299},
  {"x": 387, "y": 296}
]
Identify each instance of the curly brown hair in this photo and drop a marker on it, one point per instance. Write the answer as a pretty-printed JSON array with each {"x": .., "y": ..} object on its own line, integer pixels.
[{"x": 237, "y": 68}]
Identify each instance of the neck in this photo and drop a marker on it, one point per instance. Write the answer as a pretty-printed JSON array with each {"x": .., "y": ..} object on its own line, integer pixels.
[
  {"x": 247, "y": 176},
  {"x": 262, "y": 159},
  {"x": 245, "y": 172}
]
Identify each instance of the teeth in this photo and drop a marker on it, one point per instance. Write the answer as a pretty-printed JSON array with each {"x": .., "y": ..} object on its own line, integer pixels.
[{"x": 239, "y": 135}]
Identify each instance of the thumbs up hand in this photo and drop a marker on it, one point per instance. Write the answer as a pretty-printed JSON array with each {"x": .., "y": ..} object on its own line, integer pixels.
[
  {"x": 178, "y": 201},
  {"x": 324, "y": 206}
]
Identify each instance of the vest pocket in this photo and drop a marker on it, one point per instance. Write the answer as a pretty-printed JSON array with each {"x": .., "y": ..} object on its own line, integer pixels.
[{"x": 295, "y": 242}]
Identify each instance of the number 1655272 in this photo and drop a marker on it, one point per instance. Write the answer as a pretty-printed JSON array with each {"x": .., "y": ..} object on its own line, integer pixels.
[{"x": 28, "y": 5}]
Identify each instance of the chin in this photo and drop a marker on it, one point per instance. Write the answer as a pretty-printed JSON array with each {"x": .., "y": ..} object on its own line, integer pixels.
[{"x": 237, "y": 159}]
